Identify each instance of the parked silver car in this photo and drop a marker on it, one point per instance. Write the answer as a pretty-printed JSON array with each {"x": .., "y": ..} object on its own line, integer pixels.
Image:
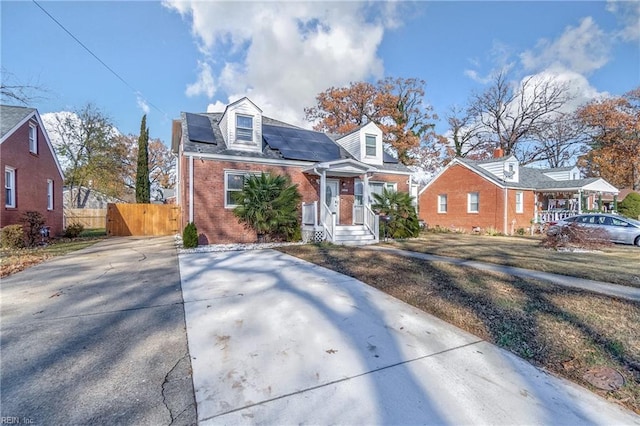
[{"x": 619, "y": 228}]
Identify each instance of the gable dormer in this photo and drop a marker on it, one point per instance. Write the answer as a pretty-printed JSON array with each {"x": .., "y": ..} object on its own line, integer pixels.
[
  {"x": 364, "y": 144},
  {"x": 506, "y": 169},
  {"x": 241, "y": 126},
  {"x": 564, "y": 173}
]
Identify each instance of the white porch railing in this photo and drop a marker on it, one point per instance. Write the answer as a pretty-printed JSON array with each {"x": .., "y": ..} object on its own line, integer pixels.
[
  {"x": 371, "y": 221},
  {"x": 310, "y": 213},
  {"x": 555, "y": 215},
  {"x": 328, "y": 219}
]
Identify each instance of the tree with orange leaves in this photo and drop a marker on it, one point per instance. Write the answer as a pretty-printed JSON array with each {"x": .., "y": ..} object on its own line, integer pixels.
[
  {"x": 396, "y": 105},
  {"x": 614, "y": 126}
]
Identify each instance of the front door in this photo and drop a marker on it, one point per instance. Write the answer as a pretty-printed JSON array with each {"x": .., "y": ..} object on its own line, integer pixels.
[{"x": 332, "y": 197}]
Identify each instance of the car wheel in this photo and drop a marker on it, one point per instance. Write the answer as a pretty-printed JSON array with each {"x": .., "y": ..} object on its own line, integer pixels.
[{"x": 637, "y": 241}]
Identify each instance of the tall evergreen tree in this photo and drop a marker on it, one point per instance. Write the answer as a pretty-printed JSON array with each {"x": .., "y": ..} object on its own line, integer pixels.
[{"x": 143, "y": 190}]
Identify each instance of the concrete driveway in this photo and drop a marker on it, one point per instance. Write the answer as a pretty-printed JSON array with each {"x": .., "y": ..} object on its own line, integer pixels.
[
  {"x": 276, "y": 340},
  {"x": 97, "y": 337}
]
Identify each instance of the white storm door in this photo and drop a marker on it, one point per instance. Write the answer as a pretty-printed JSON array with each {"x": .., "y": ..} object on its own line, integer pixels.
[{"x": 332, "y": 197}]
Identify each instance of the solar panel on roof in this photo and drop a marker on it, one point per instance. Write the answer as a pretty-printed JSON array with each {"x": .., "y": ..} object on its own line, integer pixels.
[
  {"x": 300, "y": 144},
  {"x": 200, "y": 130},
  {"x": 388, "y": 158}
]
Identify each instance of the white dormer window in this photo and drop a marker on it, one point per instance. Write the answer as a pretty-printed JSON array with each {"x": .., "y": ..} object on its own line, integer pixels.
[
  {"x": 371, "y": 146},
  {"x": 33, "y": 138},
  {"x": 244, "y": 128},
  {"x": 510, "y": 167}
]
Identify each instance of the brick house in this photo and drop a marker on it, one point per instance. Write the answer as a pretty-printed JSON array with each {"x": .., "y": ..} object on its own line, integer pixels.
[
  {"x": 32, "y": 177},
  {"x": 216, "y": 151},
  {"x": 501, "y": 194}
]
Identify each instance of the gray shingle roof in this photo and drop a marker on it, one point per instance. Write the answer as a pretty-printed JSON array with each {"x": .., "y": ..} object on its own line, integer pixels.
[
  {"x": 531, "y": 178},
  {"x": 267, "y": 152},
  {"x": 10, "y": 116}
]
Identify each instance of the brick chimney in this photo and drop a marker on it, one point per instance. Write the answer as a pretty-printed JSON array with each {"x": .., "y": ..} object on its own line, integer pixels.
[{"x": 498, "y": 153}]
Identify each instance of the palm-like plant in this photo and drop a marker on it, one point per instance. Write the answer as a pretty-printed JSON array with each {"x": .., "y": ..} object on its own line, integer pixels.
[
  {"x": 398, "y": 206},
  {"x": 268, "y": 204}
]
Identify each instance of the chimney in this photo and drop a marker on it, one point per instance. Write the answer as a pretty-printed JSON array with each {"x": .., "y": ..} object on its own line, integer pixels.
[{"x": 498, "y": 153}]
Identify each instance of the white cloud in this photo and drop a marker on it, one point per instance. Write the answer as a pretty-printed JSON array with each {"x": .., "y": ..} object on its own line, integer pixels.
[
  {"x": 628, "y": 13},
  {"x": 579, "y": 88},
  {"x": 282, "y": 54},
  {"x": 205, "y": 84},
  {"x": 216, "y": 107},
  {"x": 582, "y": 49},
  {"x": 142, "y": 103}
]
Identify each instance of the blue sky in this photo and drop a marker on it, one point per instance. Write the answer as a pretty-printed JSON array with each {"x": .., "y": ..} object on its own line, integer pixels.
[{"x": 191, "y": 56}]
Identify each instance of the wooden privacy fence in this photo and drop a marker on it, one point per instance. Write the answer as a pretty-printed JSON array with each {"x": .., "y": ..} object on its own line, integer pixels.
[
  {"x": 89, "y": 218},
  {"x": 142, "y": 219}
]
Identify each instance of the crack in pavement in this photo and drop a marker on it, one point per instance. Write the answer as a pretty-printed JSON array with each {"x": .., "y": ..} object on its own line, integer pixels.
[
  {"x": 366, "y": 373},
  {"x": 166, "y": 382}
]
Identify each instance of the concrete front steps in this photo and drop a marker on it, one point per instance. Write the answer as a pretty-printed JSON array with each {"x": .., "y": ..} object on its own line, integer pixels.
[{"x": 353, "y": 235}]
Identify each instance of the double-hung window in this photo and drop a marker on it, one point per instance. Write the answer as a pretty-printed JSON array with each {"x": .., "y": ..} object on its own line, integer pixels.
[
  {"x": 377, "y": 187},
  {"x": 371, "y": 146},
  {"x": 244, "y": 128},
  {"x": 473, "y": 202},
  {"x": 49, "y": 194},
  {"x": 9, "y": 187},
  {"x": 33, "y": 139},
  {"x": 442, "y": 203},
  {"x": 233, "y": 184},
  {"x": 519, "y": 202}
]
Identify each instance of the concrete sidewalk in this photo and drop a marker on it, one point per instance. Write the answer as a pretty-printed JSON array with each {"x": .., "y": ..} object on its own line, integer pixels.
[
  {"x": 625, "y": 292},
  {"x": 276, "y": 340},
  {"x": 97, "y": 337}
]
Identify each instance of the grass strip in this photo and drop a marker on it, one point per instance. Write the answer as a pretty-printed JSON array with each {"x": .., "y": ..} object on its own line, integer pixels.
[{"x": 566, "y": 331}]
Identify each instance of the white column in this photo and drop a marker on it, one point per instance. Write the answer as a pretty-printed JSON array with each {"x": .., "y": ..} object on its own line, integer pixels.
[
  {"x": 365, "y": 190},
  {"x": 323, "y": 191},
  {"x": 579, "y": 201}
]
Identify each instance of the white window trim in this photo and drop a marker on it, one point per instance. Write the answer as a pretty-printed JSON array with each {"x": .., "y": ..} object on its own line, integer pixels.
[
  {"x": 519, "y": 202},
  {"x": 245, "y": 173},
  {"x": 389, "y": 185},
  {"x": 375, "y": 146},
  {"x": 50, "y": 200},
  {"x": 10, "y": 203},
  {"x": 245, "y": 141},
  {"x": 469, "y": 202},
  {"x": 33, "y": 143},
  {"x": 446, "y": 205}
]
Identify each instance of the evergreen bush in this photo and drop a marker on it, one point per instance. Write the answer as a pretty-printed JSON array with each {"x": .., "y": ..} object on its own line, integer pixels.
[
  {"x": 630, "y": 206},
  {"x": 190, "y": 236}
]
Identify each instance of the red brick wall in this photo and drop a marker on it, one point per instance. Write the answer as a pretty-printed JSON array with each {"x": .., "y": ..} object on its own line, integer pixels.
[
  {"x": 31, "y": 174},
  {"x": 456, "y": 183},
  {"x": 217, "y": 224}
]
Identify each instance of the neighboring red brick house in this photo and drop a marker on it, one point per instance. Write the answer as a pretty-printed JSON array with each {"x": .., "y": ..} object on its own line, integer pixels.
[
  {"x": 502, "y": 195},
  {"x": 217, "y": 150},
  {"x": 32, "y": 176}
]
